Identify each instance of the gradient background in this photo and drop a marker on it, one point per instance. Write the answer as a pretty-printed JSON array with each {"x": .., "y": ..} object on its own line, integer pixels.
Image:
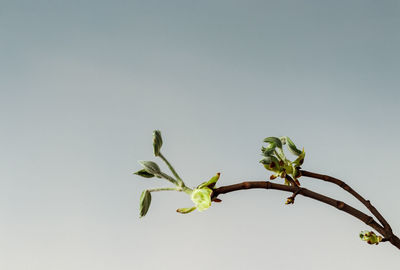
[{"x": 84, "y": 83}]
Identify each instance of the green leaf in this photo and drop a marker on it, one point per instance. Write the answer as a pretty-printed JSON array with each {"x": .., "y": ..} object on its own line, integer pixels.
[
  {"x": 144, "y": 173},
  {"x": 292, "y": 147},
  {"x": 151, "y": 167},
  {"x": 266, "y": 160},
  {"x": 271, "y": 163},
  {"x": 210, "y": 182},
  {"x": 269, "y": 151},
  {"x": 274, "y": 140},
  {"x": 157, "y": 142},
  {"x": 145, "y": 200},
  {"x": 300, "y": 159},
  {"x": 185, "y": 210}
]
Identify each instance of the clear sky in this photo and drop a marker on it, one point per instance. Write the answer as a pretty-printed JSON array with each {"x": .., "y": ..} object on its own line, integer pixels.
[{"x": 84, "y": 83}]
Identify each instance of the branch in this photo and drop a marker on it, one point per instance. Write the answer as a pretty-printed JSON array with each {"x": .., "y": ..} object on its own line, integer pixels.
[
  {"x": 313, "y": 195},
  {"x": 346, "y": 187},
  {"x": 274, "y": 160}
]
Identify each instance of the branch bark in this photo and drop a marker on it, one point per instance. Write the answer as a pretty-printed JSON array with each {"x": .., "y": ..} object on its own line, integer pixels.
[
  {"x": 346, "y": 187},
  {"x": 316, "y": 196}
]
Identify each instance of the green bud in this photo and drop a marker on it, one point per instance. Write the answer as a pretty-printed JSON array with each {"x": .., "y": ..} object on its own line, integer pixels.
[
  {"x": 144, "y": 173},
  {"x": 185, "y": 210},
  {"x": 145, "y": 200},
  {"x": 201, "y": 198},
  {"x": 157, "y": 142},
  {"x": 151, "y": 167},
  {"x": 370, "y": 237}
]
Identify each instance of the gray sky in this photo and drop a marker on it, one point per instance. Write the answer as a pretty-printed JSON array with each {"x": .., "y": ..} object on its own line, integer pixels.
[{"x": 84, "y": 83}]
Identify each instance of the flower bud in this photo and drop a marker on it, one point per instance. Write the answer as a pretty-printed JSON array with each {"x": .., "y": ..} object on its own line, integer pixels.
[
  {"x": 370, "y": 237},
  {"x": 145, "y": 200},
  {"x": 157, "y": 142},
  {"x": 289, "y": 200},
  {"x": 144, "y": 173},
  {"x": 150, "y": 167},
  {"x": 201, "y": 198}
]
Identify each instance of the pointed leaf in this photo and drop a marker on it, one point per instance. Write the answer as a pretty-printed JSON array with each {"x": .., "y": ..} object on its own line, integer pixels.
[
  {"x": 144, "y": 173},
  {"x": 300, "y": 159},
  {"x": 145, "y": 200},
  {"x": 210, "y": 182},
  {"x": 292, "y": 147},
  {"x": 185, "y": 210}
]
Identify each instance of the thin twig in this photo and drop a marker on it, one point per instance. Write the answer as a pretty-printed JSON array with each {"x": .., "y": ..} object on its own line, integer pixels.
[
  {"x": 346, "y": 187},
  {"x": 180, "y": 181},
  {"x": 313, "y": 195}
]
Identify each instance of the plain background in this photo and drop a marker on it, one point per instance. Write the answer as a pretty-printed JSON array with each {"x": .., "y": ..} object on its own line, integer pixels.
[{"x": 84, "y": 83}]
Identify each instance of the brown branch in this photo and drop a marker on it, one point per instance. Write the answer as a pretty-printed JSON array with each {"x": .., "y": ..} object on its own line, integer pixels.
[
  {"x": 313, "y": 195},
  {"x": 346, "y": 187}
]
